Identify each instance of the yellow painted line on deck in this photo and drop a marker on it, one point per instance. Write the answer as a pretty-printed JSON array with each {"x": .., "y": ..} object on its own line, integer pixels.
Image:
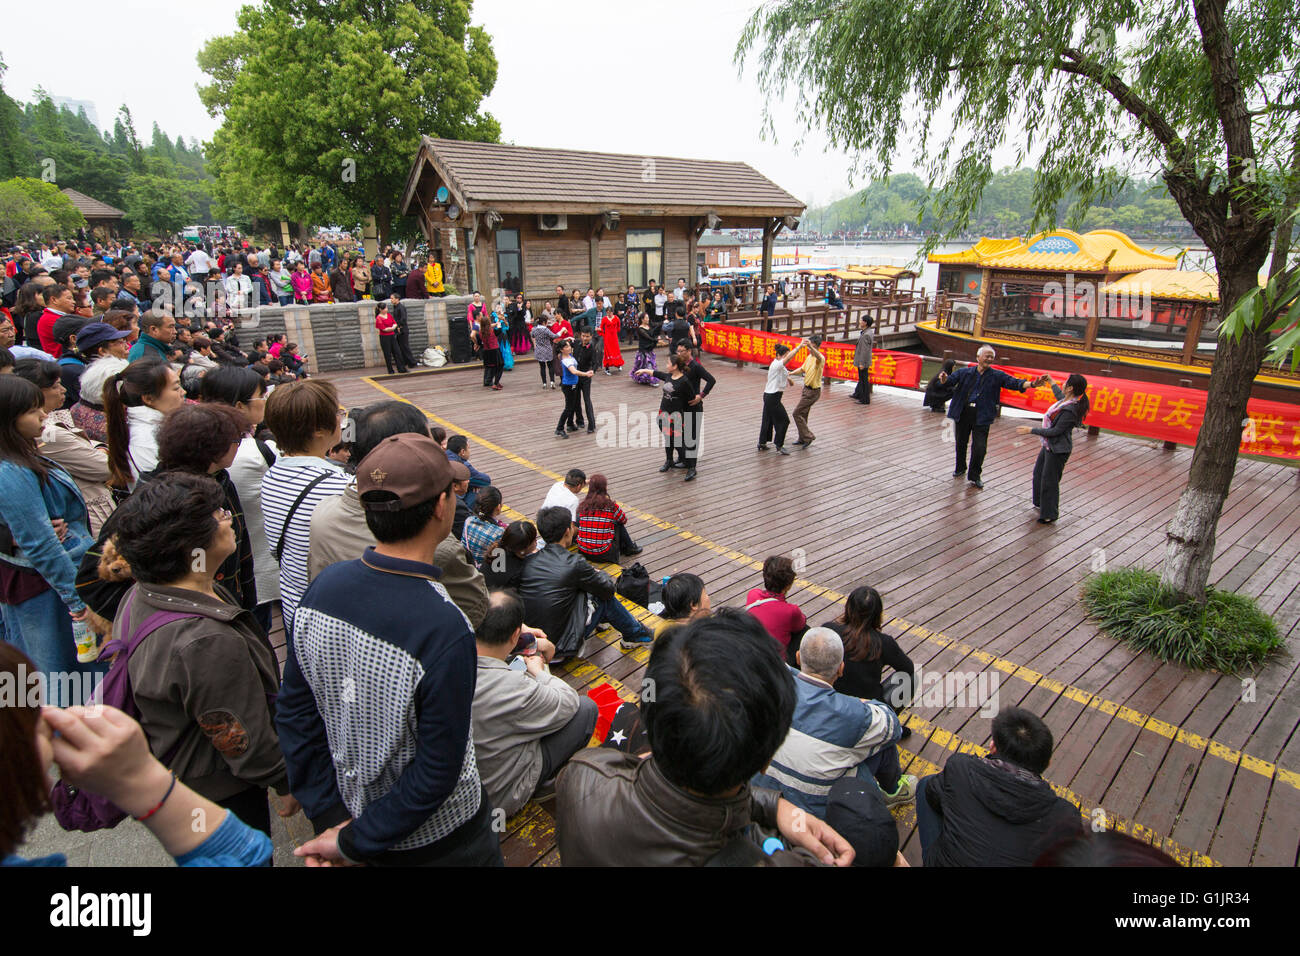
[{"x": 1078, "y": 695}]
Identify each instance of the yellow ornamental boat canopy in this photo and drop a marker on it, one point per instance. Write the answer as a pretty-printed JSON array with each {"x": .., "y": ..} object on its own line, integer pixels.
[
  {"x": 1187, "y": 286},
  {"x": 1061, "y": 250},
  {"x": 971, "y": 256}
]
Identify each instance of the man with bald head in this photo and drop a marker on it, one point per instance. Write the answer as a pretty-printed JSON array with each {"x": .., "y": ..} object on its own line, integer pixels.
[{"x": 833, "y": 735}]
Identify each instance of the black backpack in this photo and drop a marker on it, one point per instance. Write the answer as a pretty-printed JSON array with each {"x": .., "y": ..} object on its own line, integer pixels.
[{"x": 634, "y": 584}]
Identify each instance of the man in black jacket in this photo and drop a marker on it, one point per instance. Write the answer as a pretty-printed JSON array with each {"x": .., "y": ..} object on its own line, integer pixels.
[
  {"x": 586, "y": 354},
  {"x": 560, "y": 589},
  {"x": 995, "y": 810}
]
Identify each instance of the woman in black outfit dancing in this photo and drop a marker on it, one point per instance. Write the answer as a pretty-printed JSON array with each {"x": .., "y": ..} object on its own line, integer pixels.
[
  {"x": 675, "y": 419},
  {"x": 1065, "y": 414}
]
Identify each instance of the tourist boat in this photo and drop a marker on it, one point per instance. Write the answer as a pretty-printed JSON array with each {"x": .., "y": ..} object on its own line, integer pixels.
[{"x": 1096, "y": 303}]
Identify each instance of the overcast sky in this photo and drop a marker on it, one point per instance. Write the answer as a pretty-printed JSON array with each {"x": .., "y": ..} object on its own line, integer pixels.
[{"x": 545, "y": 86}]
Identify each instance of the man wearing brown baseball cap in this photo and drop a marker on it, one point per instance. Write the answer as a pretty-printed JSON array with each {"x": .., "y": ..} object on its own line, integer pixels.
[{"x": 376, "y": 642}]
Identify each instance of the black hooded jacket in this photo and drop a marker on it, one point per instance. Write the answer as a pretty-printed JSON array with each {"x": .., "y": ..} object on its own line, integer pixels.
[{"x": 995, "y": 814}]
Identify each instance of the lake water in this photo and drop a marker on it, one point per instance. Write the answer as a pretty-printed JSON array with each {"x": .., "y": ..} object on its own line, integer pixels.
[{"x": 905, "y": 255}]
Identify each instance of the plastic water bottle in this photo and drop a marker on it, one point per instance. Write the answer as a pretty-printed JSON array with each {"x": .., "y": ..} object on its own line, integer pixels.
[{"x": 87, "y": 642}]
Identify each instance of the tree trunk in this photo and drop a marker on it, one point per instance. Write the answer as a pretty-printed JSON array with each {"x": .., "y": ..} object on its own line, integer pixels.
[
  {"x": 1189, "y": 549},
  {"x": 383, "y": 224}
]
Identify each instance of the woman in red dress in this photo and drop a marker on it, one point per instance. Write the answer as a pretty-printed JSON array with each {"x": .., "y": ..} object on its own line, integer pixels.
[{"x": 610, "y": 324}]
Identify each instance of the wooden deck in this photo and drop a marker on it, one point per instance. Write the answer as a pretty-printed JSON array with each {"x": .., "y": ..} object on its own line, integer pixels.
[{"x": 1203, "y": 764}]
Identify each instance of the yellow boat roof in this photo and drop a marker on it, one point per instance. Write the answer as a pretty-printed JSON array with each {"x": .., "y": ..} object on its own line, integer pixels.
[
  {"x": 1187, "y": 285},
  {"x": 1063, "y": 250},
  {"x": 971, "y": 256}
]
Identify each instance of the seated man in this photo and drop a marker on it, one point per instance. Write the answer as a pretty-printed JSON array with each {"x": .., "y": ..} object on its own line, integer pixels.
[
  {"x": 526, "y": 722},
  {"x": 995, "y": 810},
  {"x": 721, "y": 706},
  {"x": 458, "y": 452},
  {"x": 833, "y": 735},
  {"x": 566, "y": 597},
  {"x": 564, "y": 494},
  {"x": 338, "y": 525}
]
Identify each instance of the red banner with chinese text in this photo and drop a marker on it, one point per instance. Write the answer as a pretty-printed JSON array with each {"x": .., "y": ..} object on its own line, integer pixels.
[
  {"x": 1166, "y": 412},
  {"x": 751, "y": 345}
]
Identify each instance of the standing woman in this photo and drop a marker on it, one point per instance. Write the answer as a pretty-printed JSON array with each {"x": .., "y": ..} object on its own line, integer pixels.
[
  {"x": 360, "y": 279},
  {"x": 135, "y": 403},
  {"x": 569, "y": 384},
  {"x": 643, "y": 366},
  {"x": 244, "y": 390},
  {"x": 674, "y": 412},
  {"x": 203, "y": 440},
  {"x": 610, "y": 324},
  {"x": 45, "y": 536},
  {"x": 1059, "y": 421},
  {"x": 300, "y": 280},
  {"x": 386, "y": 326},
  {"x": 481, "y": 332},
  {"x": 544, "y": 351},
  {"x": 63, "y": 443},
  {"x": 501, "y": 327}
]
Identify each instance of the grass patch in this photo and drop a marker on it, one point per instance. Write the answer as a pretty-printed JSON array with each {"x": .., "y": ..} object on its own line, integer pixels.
[{"x": 1227, "y": 633}]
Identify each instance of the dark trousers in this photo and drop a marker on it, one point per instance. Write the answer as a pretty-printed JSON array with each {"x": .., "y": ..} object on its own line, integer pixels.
[
  {"x": 473, "y": 843},
  {"x": 492, "y": 366},
  {"x": 547, "y": 370},
  {"x": 392, "y": 353},
  {"x": 251, "y": 807},
  {"x": 584, "y": 390},
  {"x": 404, "y": 345},
  {"x": 570, "y": 413},
  {"x": 558, "y": 747},
  {"x": 1047, "y": 482},
  {"x": 978, "y": 436},
  {"x": 693, "y": 420},
  {"x": 775, "y": 419},
  {"x": 928, "y": 823},
  {"x": 621, "y": 545},
  {"x": 884, "y": 768},
  {"x": 862, "y": 393}
]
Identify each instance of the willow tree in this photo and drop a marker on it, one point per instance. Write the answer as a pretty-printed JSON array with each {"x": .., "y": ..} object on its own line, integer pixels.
[
  {"x": 1202, "y": 92},
  {"x": 323, "y": 103}
]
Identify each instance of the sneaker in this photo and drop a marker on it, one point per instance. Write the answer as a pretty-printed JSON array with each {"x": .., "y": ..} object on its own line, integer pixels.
[
  {"x": 608, "y": 372},
  {"x": 552, "y": 385},
  {"x": 498, "y": 388},
  {"x": 644, "y": 639},
  {"x": 906, "y": 792},
  {"x": 560, "y": 432}
]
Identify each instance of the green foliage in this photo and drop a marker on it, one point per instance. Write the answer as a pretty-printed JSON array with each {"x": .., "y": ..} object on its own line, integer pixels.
[
  {"x": 1227, "y": 632},
  {"x": 323, "y": 106},
  {"x": 1075, "y": 86},
  {"x": 1006, "y": 207},
  {"x": 160, "y": 205},
  {"x": 32, "y": 208}
]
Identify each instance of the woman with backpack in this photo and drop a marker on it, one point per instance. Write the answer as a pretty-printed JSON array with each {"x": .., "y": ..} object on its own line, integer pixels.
[
  {"x": 205, "y": 677},
  {"x": 42, "y": 538}
]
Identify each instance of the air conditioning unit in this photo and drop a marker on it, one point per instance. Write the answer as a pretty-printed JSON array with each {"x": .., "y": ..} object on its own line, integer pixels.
[{"x": 552, "y": 222}]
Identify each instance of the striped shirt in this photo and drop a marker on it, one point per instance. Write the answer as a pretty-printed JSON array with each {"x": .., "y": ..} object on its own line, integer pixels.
[
  {"x": 283, "y": 483},
  {"x": 596, "y": 530}
]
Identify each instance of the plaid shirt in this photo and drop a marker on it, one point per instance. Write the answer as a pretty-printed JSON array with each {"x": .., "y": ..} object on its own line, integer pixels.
[
  {"x": 480, "y": 536},
  {"x": 596, "y": 530}
]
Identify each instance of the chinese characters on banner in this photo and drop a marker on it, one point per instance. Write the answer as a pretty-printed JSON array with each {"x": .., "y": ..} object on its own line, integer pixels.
[
  {"x": 751, "y": 345},
  {"x": 1167, "y": 412}
]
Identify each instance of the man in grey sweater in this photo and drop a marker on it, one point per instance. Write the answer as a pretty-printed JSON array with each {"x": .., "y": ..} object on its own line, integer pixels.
[{"x": 527, "y": 723}]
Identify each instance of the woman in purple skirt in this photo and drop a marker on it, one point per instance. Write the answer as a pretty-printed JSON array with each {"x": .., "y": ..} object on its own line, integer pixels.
[{"x": 643, "y": 366}]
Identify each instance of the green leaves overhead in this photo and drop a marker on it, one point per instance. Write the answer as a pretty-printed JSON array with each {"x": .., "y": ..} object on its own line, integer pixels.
[{"x": 323, "y": 106}]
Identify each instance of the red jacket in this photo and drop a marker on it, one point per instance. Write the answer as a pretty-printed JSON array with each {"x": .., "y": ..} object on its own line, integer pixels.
[
  {"x": 45, "y": 329},
  {"x": 386, "y": 324}
]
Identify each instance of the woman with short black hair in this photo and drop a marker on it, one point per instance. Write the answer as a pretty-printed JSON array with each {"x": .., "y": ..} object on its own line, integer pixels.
[{"x": 205, "y": 683}]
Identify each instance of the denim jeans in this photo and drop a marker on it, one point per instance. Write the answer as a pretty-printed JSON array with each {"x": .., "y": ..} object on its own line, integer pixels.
[
  {"x": 613, "y": 612},
  {"x": 41, "y": 628},
  {"x": 884, "y": 768}
]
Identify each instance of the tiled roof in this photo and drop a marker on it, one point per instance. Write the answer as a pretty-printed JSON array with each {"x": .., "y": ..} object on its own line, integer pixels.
[
  {"x": 1061, "y": 250},
  {"x": 92, "y": 208},
  {"x": 710, "y": 239},
  {"x": 501, "y": 177},
  {"x": 985, "y": 247},
  {"x": 1188, "y": 285}
]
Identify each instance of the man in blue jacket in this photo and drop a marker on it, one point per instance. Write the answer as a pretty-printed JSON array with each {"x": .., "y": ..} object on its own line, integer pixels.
[{"x": 974, "y": 405}]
